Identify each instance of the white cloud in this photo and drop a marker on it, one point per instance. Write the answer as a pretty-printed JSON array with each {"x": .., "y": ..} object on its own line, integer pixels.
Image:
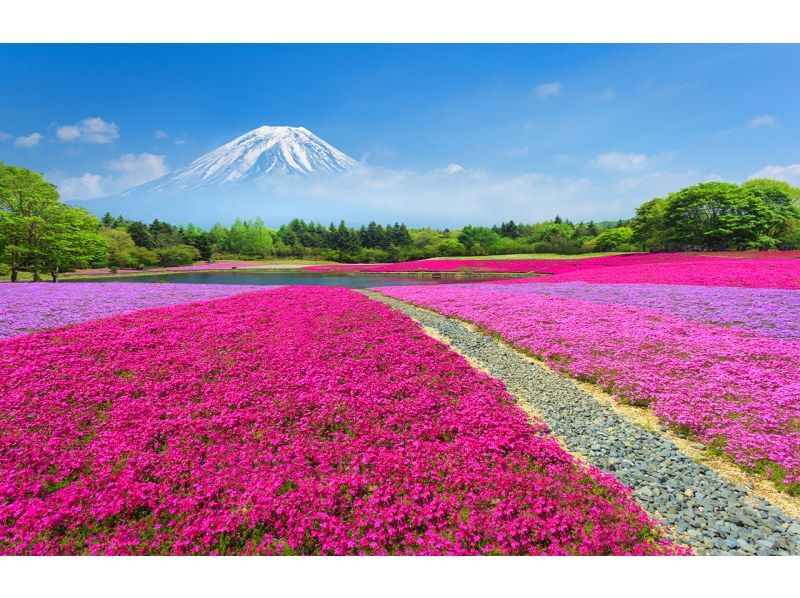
[
  {"x": 136, "y": 169},
  {"x": 86, "y": 186},
  {"x": 89, "y": 130},
  {"x": 762, "y": 120},
  {"x": 604, "y": 95},
  {"x": 180, "y": 142},
  {"x": 789, "y": 173},
  {"x": 160, "y": 134},
  {"x": 757, "y": 122},
  {"x": 30, "y": 141},
  {"x": 126, "y": 171},
  {"x": 378, "y": 153},
  {"x": 545, "y": 90},
  {"x": 621, "y": 161},
  {"x": 453, "y": 168},
  {"x": 4, "y": 136}
]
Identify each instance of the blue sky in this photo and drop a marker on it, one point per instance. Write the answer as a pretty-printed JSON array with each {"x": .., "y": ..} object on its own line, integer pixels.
[{"x": 582, "y": 130}]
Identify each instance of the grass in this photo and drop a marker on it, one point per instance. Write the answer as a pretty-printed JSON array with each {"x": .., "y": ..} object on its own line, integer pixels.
[{"x": 532, "y": 256}]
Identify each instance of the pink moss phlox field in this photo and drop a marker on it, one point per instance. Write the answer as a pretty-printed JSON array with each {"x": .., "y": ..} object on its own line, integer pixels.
[
  {"x": 738, "y": 390},
  {"x": 774, "y": 312},
  {"x": 703, "y": 271},
  {"x": 553, "y": 266},
  {"x": 302, "y": 420},
  {"x": 656, "y": 268},
  {"x": 28, "y": 307}
]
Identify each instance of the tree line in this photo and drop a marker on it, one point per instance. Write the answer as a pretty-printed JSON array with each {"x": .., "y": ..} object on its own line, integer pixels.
[
  {"x": 41, "y": 235},
  {"x": 758, "y": 214}
]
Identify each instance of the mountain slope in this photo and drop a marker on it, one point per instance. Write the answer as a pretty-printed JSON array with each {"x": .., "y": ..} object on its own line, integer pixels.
[{"x": 262, "y": 151}]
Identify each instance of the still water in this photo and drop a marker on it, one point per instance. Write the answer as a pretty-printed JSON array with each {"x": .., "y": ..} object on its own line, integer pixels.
[{"x": 352, "y": 281}]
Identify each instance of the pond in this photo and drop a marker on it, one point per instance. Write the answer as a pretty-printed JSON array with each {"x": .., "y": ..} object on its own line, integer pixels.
[{"x": 352, "y": 281}]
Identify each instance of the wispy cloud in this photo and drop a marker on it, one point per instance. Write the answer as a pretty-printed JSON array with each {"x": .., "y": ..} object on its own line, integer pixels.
[
  {"x": 29, "y": 141},
  {"x": 546, "y": 90},
  {"x": 136, "y": 169},
  {"x": 789, "y": 173},
  {"x": 4, "y": 136},
  {"x": 757, "y": 122},
  {"x": 160, "y": 134},
  {"x": 89, "y": 130},
  {"x": 378, "y": 153},
  {"x": 86, "y": 186},
  {"x": 762, "y": 120},
  {"x": 124, "y": 172},
  {"x": 621, "y": 161},
  {"x": 453, "y": 169}
]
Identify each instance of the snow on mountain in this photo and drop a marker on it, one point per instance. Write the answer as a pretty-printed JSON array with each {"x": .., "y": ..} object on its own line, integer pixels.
[{"x": 265, "y": 150}]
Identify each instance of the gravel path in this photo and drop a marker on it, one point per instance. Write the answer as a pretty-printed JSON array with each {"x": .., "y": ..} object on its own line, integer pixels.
[{"x": 703, "y": 510}]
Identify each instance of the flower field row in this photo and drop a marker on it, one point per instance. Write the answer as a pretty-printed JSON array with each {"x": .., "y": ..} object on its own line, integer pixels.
[
  {"x": 299, "y": 420},
  {"x": 523, "y": 266},
  {"x": 658, "y": 268},
  {"x": 701, "y": 271},
  {"x": 738, "y": 391},
  {"x": 774, "y": 312},
  {"x": 29, "y": 307}
]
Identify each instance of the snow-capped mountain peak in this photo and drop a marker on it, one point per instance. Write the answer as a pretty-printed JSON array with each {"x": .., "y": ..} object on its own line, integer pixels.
[{"x": 265, "y": 150}]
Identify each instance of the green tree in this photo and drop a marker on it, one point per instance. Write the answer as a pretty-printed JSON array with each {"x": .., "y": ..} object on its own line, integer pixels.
[
  {"x": 249, "y": 238},
  {"x": 650, "y": 226},
  {"x": 37, "y": 231},
  {"x": 177, "y": 255},
  {"x": 615, "y": 239},
  {"x": 695, "y": 215},
  {"x": 71, "y": 240},
  {"x": 140, "y": 234},
  {"x": 398, "y": 235},
  {"x": 450, "y": 248},
  {"x": 26, "y": 202},
  {"x": 477, "y": 239},
  {"x": 373, "y": 236},
  {"x": 724, "y": 216},
  {"x": 120, "y": 248}
]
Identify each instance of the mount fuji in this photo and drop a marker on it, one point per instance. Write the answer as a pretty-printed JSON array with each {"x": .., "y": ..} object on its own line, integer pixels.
[
  {"x": 262, "y": 151},
  {"x": 263, "y": 172}
]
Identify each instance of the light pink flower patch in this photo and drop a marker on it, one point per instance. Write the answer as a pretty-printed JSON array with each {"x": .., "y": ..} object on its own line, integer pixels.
[{"x": 302, "y": 420}]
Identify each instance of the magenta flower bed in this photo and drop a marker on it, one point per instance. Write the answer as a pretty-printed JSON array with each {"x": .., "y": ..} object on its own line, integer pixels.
[
  {"x": 658, "y": 268},
  {"x": 706, "y": 271},
  {"x": 737, "y": 390},
  {"x": 28, "y": 307},
  {"x": 554, "y": 266},
  {"x": 773, "y": 312},
  {"x": 303, "y": 420}
]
